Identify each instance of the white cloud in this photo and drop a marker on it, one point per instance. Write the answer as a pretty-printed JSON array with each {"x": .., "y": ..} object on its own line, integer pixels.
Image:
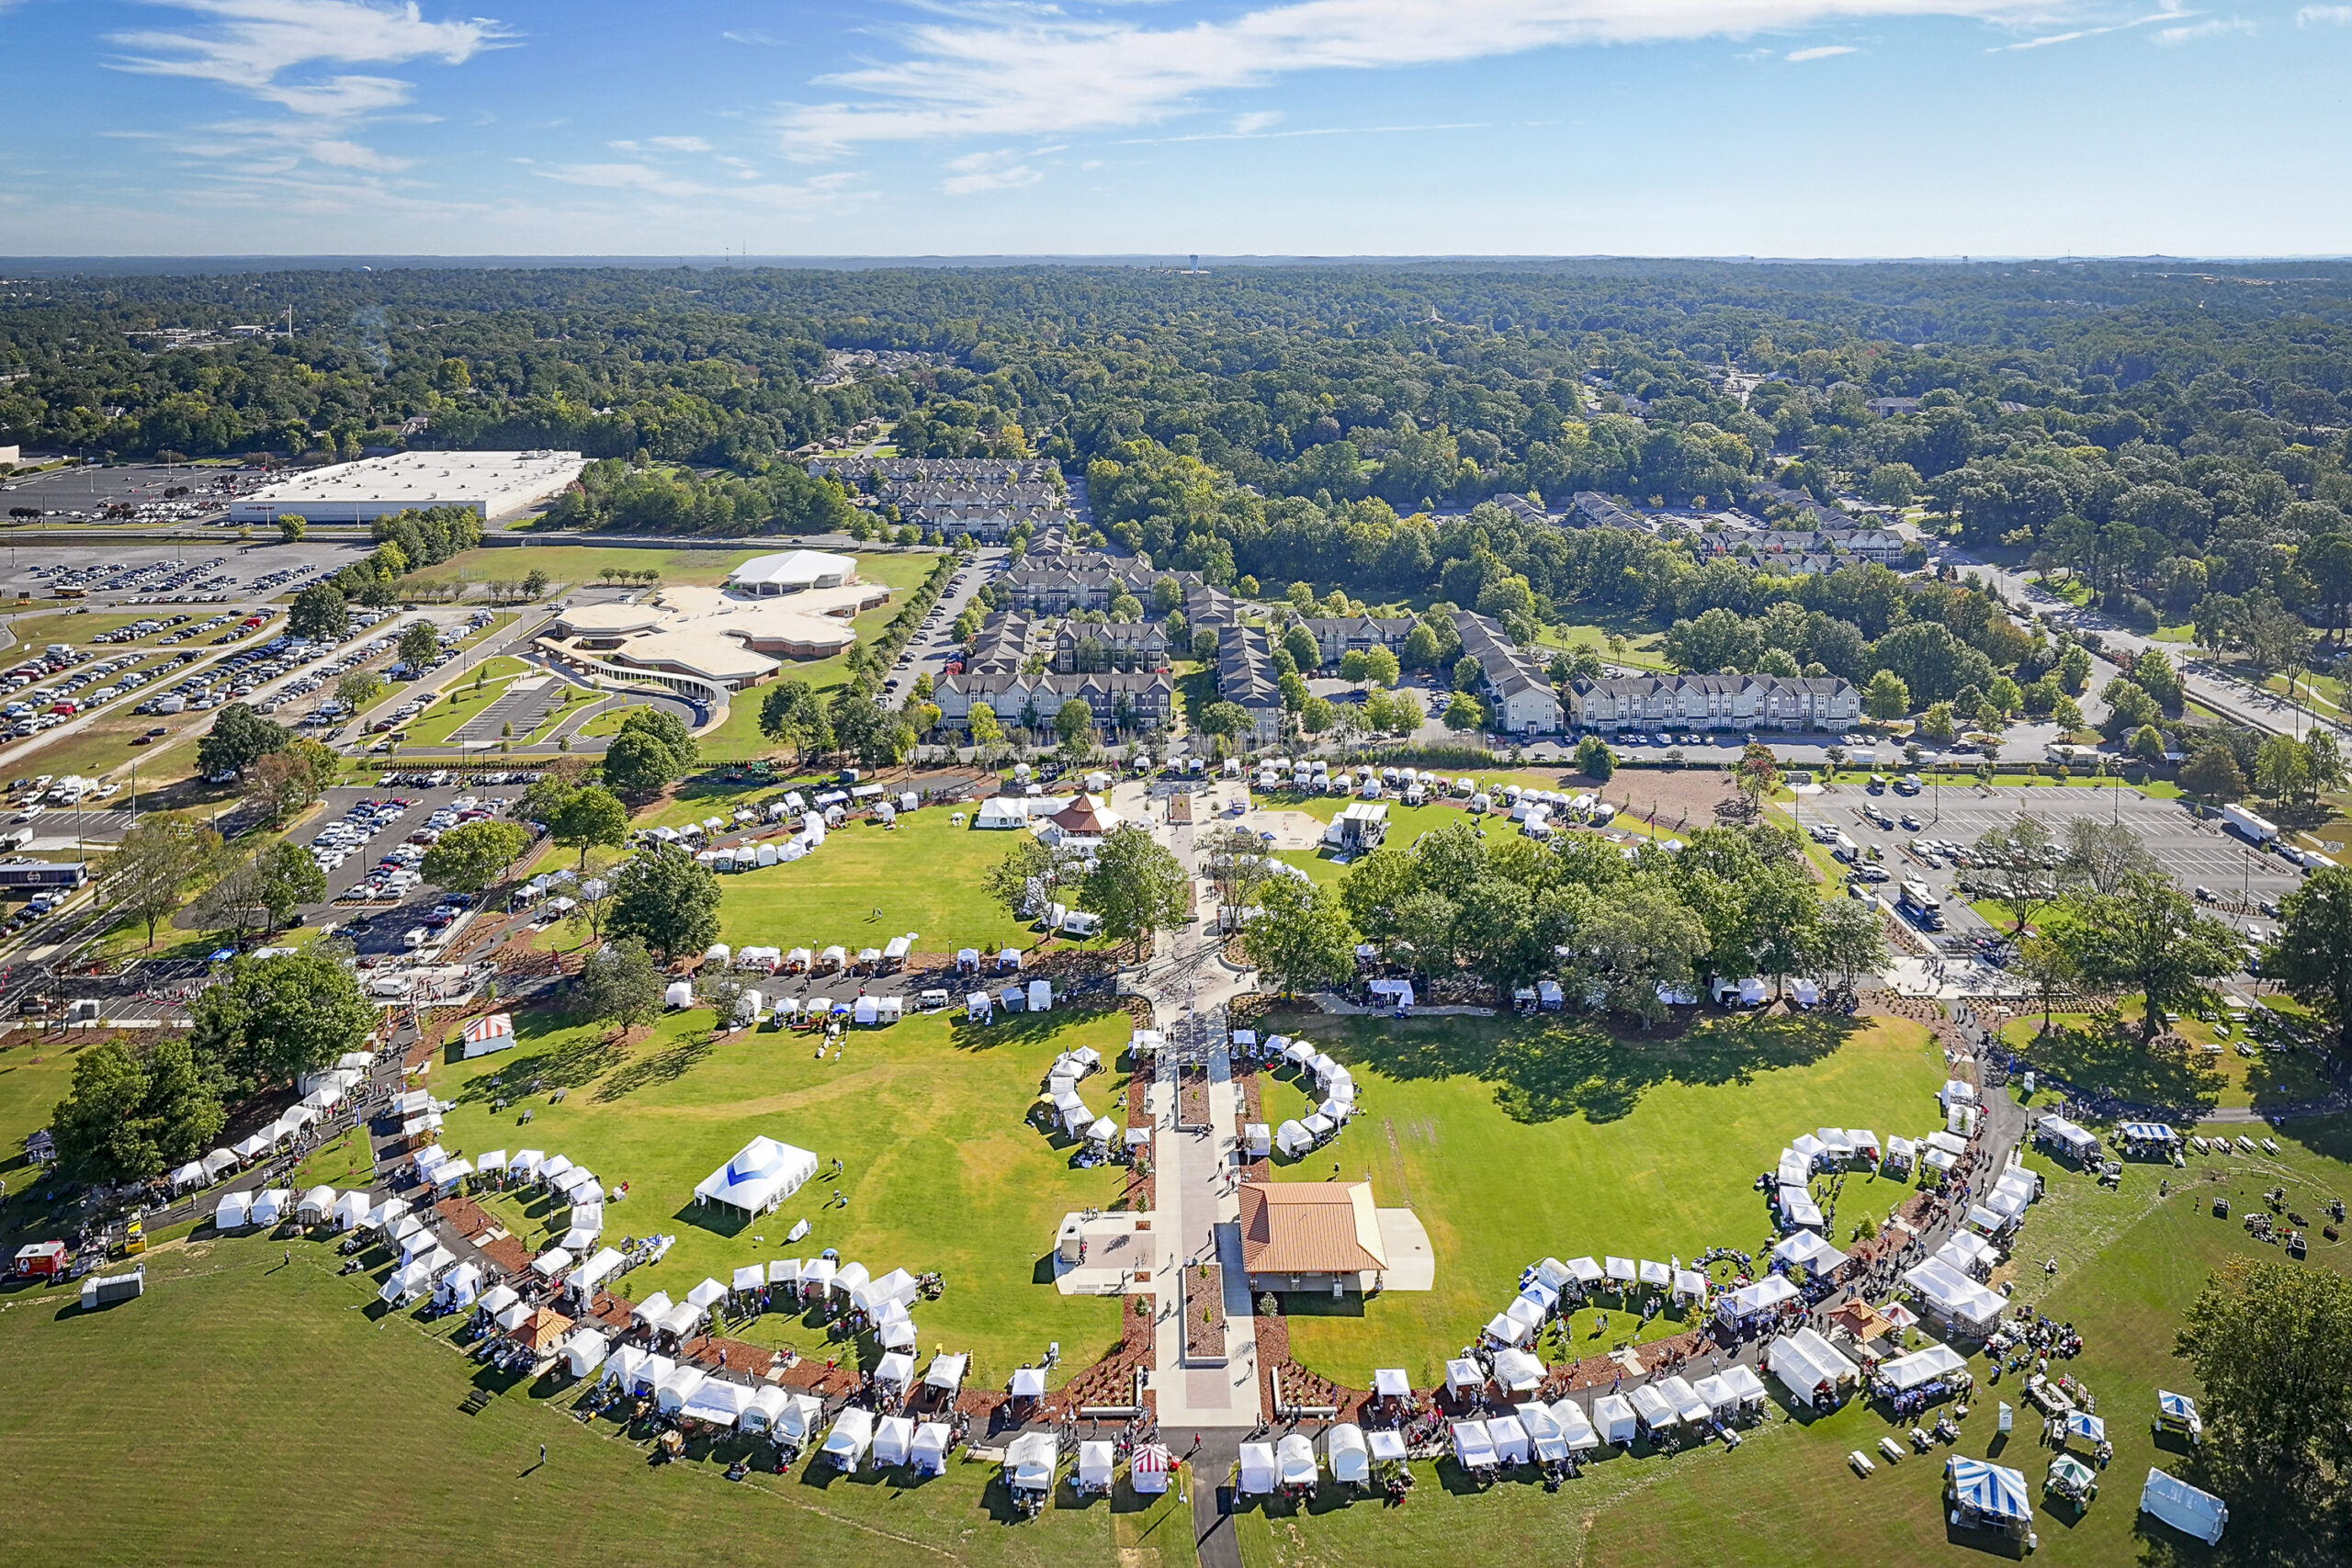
[
  {"x": 977, "y": 172},
  {"x": 1256, "y": 120},
  {"x": 1822, "y": 51},
  {"x": 1029, "y": 67},
  {"x": 2170, "y": 13},
  {"x": 2324, "y": 16},
  {"x": 680, "y": 144},
  {"x": 2174, "y": 36},
  {"x": 251, "y": 44},
  {"x": 285, "y": 53},
  {"x": 343, "y": 154}
]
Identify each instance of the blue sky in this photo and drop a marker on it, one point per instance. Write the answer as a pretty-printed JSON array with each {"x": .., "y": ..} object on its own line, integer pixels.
[{"x": 1297, "y": 127}]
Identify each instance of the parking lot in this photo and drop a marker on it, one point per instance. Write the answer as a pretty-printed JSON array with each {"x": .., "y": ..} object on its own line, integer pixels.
[
  {"x": 352, "y": 846},
  {"x": 2197, "y": 854},
  {"x": 199, "y": 567},
  {"x": 934, "y": 643}
]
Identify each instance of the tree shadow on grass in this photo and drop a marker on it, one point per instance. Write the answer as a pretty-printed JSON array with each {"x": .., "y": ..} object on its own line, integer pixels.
[
  {"x": 569, "y": 1066},
  {"x": 2330, "y": 1137},
  {"x": 1017, "y": 1028},
  {"x": 1544, "y": 1069},
  {"x": 2115, "y": 1062},
  {"x": 661, "y": 1067}
]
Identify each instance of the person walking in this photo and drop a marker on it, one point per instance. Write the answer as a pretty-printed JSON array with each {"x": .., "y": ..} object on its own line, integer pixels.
[{"x": 543, "y": 1453}]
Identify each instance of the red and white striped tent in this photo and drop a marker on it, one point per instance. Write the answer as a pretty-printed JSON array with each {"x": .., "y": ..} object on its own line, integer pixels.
[
  {"x": 1154, "y": 1465},
  {"x": 492, "y": 1032}
]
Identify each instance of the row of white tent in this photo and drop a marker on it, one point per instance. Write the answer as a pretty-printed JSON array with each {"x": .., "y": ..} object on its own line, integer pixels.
[
  {"x": 1035, "y": 997},
  {"x": 1337, "y": 1084},
  {"x": 320, "y": 1206},
  {"x": 1518, "y": 1323},
  {"x": 1032, "y": 1459},
  {"x": 752, "y": 1006},
  {"x": 1071, "y": 1112},
  {"x": 331, "y": 1092}
]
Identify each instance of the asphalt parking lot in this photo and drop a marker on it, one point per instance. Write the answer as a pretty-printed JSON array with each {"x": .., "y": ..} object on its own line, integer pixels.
[
  {"x": 389, "y": 924},
  {"x": 241, "y": 566},
  {"x": 2196, "y": 853},
  {"x": 928, "y": 651}
]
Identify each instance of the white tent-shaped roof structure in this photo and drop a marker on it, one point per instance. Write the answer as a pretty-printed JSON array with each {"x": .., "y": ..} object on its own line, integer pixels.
[
  {"x": 894, "y": 1439},
  {"x": 1805, "y": 1361},
  {"x": 1953, "y": 1293},
  {"x": 1474, "y": 1448},
  {"x": 1096, "y": 1462},
  {"x": 1518, "y": 1371},
  {"x": 946, "y": 1372},
  {"x": 1908, "y": 1372},
  {"x": 1030, "y": 1461},
  {"x": 852, "y": 1435},
  {"x": 1575, "y": 1427},
  {"x": 1350, "y": 1459},
  {"x": 928, "y": 1454},
  {"x": 584, "y": 1353},
  {"x": 1295, "y": 1460},
  {"x": 762, "y": 1175},
  {"x": 2183, "y": 1507}
]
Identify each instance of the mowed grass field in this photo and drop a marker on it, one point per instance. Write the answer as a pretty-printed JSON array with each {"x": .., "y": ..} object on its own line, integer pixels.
[
  {"x": 1516, "y": 1140},
  {"x": 940, "y": 1170},
  {"x": 2129, "y": 1263},
  {"x": 922, "y": 876},
  {"x": 247, "y": 1412}
]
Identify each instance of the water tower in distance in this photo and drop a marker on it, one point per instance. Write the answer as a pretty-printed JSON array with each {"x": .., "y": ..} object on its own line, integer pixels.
[{"x": 1195, "y": 270}]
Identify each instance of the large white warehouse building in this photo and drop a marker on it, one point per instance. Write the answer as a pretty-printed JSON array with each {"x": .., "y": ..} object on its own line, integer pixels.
[{"x": 494, "y": 484}]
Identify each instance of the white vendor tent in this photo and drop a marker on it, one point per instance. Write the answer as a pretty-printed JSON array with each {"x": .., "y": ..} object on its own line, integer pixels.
[
  {"x": 1805, "y": 1361},
  {"x": 894, "y": 1439},
  {"x": 1031, "y": 1459},
  {"x": 584, "y": 1352},
  {"x": 1908, "y": 1372},
  {"x": 928, "y": 1454},
  {"x": 1576, "y": 1427},
  {"x": 1518, "y": 1371},
  {"x": 1952, "y": 1293},
  {"x": 1658, "y": 1412},
  {"x": 1808, "y": 1250},
  {"x": 1614, "y": 1418},
  {"x": 1350, "y": 1461},
  {"x": 852, "y": 1435},
  {"x": 762, "y": 1175},
  {"x": 1474, "y": 1448},
  {"x": 1754, "y": 1301}
]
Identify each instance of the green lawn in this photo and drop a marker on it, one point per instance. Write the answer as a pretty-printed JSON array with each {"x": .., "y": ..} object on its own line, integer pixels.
[
  {"x": 941, "y": 1171},
  {"x": 1644, "y": 648},
  {"x": 248, "y": 1411},
  {"x": 922, "y": 876},
  {"x": 1517, "y": 1140},
  {"x": 1785, "y": 1496}
]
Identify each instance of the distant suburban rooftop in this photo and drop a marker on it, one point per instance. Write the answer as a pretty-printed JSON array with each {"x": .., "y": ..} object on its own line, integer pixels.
[{"x": 492, "y": 483}]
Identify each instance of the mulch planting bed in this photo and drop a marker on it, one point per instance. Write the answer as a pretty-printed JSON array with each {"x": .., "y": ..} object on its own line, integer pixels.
[
  {"x": 1204, "y": 1312},
  {"x": 1192, "y": 1096}
]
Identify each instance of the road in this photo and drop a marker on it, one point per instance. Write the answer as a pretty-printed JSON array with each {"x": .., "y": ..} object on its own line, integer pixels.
[
  {"x": 2230, "y": 698},
  {"x": 928, "y": 651}
]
